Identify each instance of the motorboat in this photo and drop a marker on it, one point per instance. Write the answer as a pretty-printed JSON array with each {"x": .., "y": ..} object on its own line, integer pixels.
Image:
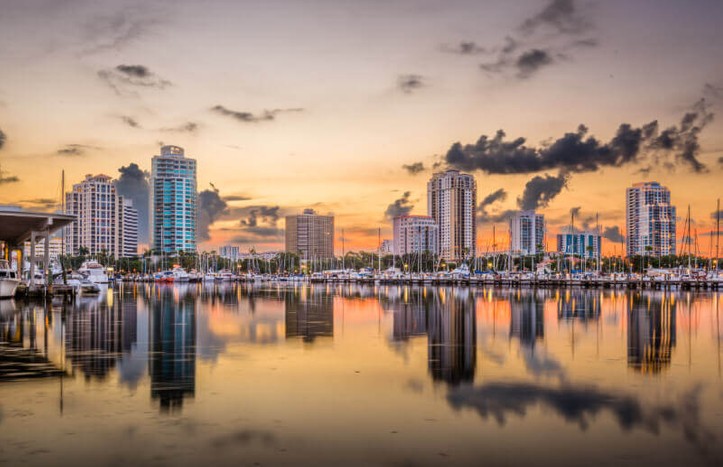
[
  {"x": 94, "y": 272},
  {"x": 180, "y": 274},
  {"x": 8, "y": 280}
]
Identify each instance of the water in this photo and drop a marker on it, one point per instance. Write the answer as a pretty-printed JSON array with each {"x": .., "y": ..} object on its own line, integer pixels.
[{"x": 328, "y": 375}]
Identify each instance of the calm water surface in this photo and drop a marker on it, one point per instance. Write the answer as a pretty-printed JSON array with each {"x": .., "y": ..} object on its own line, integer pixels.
[{"x": 232, "y": 374}]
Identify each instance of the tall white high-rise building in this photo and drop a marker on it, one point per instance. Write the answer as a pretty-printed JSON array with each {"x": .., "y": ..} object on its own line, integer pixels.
[
  {"x": 415, "y": 234},
  {"x": 128, "y": 228},
  {"x": 102, "y": 219},
  {"x": 527, "y": 233},
  {"x": 452, "y": 203},
  {"x": 174, "y": 201},
  {"x": 650, "y": 220}
]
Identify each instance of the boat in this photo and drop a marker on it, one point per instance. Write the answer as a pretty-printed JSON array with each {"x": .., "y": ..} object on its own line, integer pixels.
[
  {"x": 180, "y": 274},
  {"x": 8, "y": 280},
  {"x": 94, "y": 272}
]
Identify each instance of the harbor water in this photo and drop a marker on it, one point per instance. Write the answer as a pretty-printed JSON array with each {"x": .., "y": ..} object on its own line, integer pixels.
[{"x": 324, "y": 374}]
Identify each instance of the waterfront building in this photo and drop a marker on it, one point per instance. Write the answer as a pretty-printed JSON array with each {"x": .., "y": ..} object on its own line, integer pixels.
[
  {"x": 650, "y": 220},
  {"x": 583, "y": 244},
  {"x": 310, "y": 235},
  {"x": 387, "y": 247},
  {"x": 452, "y": 203},
  {"x": 414, "y": 234},
  {"x": 55, "y": 248},
  {"x": 174, "y": 199},
  {"x": 128, "y": 228},
  {"x": 229, "y": 252},
  {"x": 527, "y": 233},
  {"x": 102, "y": 218}
]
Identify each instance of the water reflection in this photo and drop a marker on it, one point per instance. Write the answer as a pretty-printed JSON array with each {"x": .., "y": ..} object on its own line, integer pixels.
[
  {"x": 526, "y": 318},
  {"x": 172, "y": 355},
  {"x": 651, "y": 332},
  {"x": 309, "y": 313}
]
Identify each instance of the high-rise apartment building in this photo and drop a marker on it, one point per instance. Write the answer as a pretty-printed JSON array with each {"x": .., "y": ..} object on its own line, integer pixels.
[
  {"x": 415, "y": 234},
  {"x": 102, "y": 219},
  {"x": 650, "y": 220},
  {"x": 231, "y": 252},
  {"x": 174, "y": 201},
  {"x": 310, "y": 235},
  {"x": 527, "y": 233},
  {"x": 452, "y": 203},
  {"x": 587, "y": 244}
]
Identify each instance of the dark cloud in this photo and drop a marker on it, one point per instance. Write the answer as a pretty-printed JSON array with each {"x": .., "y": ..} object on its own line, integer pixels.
[
  {"x": 613, "y": 234},
  {"x": 133, "y": 184},
  {"x": 248, "y": 117},
  {"x": 531, "y": 61},
  {"x": 465, "y": 48},
  {"x": 256, "y": 215},
  {"x": 716, "y": 214},
  {"x": 40, "y": 203},
  {"x": 125, "y": 79},
  {"x": 3, "y": 138},
  {"x": 542, "y": 40},
  {"x": 579, "y": 152},
  {"x": 414, "y": 168},
  {"x": 494, "y": 197},
  {"x": 7, "y": 178},
  {"x": 258, "y": 224},
  {"x": 236, "y": 198},
  {"x": 74, "y": 150},
  {"x": 188, "y": 127},
  {"x": 720, "y": 160},
  {"x": 540, "y": 190},
  {"x": 400, "y": 207},
  {"x": 130, "y": 121},
  {"x": 561, "y": 16},
  {"x": 712, "y": 91},
  {"x": 410, "y": 83},
  {"x": 210, "y": 207},
  {"x": 499, "y": 195}
]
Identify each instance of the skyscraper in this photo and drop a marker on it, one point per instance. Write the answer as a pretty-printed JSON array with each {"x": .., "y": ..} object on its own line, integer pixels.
[
  {"x": 527, "y": 233},
  {"x": 310, "y": 235},
  {"x": 452, "y": 203},
  {"x": 415, "y": 234},
  {"x": 650, "y": 220},
  {"x": 174, "y": 201},
  {"x": 102, "y": 218},
  {"x": 587, "y": 244}
]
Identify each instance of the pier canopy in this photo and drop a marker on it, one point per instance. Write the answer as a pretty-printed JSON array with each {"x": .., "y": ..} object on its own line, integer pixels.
[{"x": 18, "y": 225}]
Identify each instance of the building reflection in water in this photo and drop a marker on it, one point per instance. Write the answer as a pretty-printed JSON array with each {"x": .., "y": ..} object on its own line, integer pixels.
[
  {"x": 172, "y": 348},
  {"x": 97, "y": 333},
  {"x": 309, "y": 313},
  {"x": 452, "y": 341},
  {"x": 578, "y": 304},
  {"x": 410, "y": 315},
  {"x": 527, "y": 321},
  {"x": 651, "y": 331}
]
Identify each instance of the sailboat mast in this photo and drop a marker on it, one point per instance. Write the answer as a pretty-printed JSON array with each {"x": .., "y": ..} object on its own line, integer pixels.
[{"x": 717, "y": 235}]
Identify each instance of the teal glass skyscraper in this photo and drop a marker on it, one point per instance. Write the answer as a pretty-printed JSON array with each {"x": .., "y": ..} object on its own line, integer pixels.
[{"x": 174, "y": 201}]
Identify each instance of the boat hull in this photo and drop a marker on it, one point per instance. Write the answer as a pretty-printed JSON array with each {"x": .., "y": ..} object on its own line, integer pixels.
[{"x": 8, "y": 287}]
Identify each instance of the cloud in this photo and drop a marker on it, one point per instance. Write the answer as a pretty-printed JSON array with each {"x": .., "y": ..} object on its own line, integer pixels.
[
  {"x": 580, "y": 152},
  {"x": 540, "y": 190},
  {"x": 258, "y": 224},
  {"x": 712, "y": 91},
  {"x": 531, "y": 61},
  {"x": 74, "y": 150},
  {"x": 188, "y": 127},
  {"x": 613, "y": 234},
  {"x": 130, "y": 121},
  {"x": 720, "y": 160},
  {"x": 3, "y": 138},
  {"x": 464, "y": 48},
  {"x": 126, "y": 79},
  {"x": 400, "y": 207},
  {"x": 133, "y": 184},
  {"x": 561, "y": 16},
  {"x": 248, "y": 117},
  {"x": 40, "y": 203},
  {"x": 261, "y": 214},
  {"x": 117, "y": 30},
  {"x": 210, "y": 208},
  {"x": 410, "y": 83},
  {"x": 228, "y": 198},
  {"x": 414, "y": 168},
  {"x": 716, "y": 214},
  {"x": 542, "y": 40},
  {"x": 7, "y": 179},
  {"x": 496, "y": 196}
]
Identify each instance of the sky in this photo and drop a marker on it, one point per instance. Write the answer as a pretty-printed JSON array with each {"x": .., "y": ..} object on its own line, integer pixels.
[{"x": 348, "y": 107}]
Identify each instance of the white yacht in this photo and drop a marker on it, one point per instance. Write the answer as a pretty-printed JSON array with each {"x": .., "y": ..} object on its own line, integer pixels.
[
  {"x": 8, "y": 280},
  {"x": 180, "y": 274},
  {"x": 94, "y": 271}
]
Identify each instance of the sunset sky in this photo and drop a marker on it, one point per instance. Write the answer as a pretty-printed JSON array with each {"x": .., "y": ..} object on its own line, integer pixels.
[{"x": 293, "y": 104}]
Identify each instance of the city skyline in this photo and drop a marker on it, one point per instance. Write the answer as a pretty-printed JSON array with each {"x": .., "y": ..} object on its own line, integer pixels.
[{"x": 376, "y": 99}]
